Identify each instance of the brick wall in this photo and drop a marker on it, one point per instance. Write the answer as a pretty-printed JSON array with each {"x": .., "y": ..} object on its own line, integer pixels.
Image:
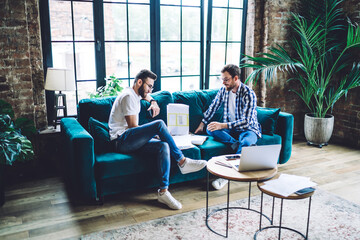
[
  {"x": 268, "y": 24},
  {"x": 21, "y": 69}
]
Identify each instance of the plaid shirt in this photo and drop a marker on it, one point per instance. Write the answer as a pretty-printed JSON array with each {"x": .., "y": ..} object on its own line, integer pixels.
[{"x": 245, "y": 109}]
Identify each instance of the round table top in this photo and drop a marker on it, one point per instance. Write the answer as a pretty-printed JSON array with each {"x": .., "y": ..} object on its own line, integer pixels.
[
  {"x": 292, "y": 196},
  {"x": 233, "y": 174}
]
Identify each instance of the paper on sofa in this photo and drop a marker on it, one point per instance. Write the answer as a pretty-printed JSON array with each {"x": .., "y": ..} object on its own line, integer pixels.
[{"x": 178, "y": 119}]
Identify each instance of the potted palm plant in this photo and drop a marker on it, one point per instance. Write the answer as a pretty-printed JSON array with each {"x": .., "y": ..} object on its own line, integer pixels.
[
  {"x": 14, "y": 146},
  {"x": 323, "y": 62}
]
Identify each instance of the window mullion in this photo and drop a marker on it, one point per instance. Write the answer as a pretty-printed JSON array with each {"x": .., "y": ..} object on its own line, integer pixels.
[{"x": 98, "y": 11}]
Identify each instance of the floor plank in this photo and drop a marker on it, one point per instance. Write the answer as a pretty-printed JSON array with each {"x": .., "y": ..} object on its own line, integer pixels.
[{"x": 41, "y": 209}]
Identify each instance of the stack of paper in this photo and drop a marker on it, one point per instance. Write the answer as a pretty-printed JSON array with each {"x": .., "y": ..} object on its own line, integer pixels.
[{"x": 287, "y": 184}]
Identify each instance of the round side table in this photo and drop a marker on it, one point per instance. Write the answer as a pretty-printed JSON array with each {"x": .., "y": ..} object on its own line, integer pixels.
[
  {"x": 233, "y": 175},
  {"x": 290, "y": 197}
]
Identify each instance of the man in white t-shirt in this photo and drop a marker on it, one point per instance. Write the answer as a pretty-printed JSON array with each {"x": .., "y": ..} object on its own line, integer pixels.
[
  {"x": 240, "y": 126},
  {"x": 129, "y": 137}
]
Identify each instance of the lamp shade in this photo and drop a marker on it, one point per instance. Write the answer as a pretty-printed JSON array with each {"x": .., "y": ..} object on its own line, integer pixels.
[{"x": 60, "y": 80}]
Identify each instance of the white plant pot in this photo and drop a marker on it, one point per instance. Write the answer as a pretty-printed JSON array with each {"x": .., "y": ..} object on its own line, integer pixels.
[{"x": 318, "y": 131}]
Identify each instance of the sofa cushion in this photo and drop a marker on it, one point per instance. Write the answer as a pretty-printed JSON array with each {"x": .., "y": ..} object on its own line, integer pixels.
[
  {"x": 163, "y": 98},
  {"x": 212, "y": 148},
  {"x": 198, "y": 101},
  {"x": 267, "y": 118},
  {"x": 100, "y": 132},
  {"x": 269, "y": 140},
  {"x": 98, "y": 108},
  {"x": 110, "y": 165}
]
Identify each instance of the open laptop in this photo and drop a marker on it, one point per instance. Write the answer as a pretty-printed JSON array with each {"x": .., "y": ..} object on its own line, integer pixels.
[{"x": 259, "y": 157}]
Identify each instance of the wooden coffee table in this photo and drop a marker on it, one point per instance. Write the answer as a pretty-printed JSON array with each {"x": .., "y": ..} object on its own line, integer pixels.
[
  {"x": 290, "y": 197},
  {"x": 233, "y": 175}
]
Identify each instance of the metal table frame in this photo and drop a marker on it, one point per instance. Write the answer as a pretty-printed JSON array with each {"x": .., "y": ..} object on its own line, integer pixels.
[
  {"x": 208, "y": 215},
  {"x": 280, "y": 226}
]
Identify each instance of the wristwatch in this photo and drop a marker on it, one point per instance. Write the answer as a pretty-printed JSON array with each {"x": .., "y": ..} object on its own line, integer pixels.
[{"x": 153, "y": 100}]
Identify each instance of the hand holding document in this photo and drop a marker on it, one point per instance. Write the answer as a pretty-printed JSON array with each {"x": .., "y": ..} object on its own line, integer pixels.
[{"x": 287, "y": 184}]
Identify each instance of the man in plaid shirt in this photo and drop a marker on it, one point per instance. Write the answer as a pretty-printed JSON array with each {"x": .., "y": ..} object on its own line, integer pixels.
[{"x": 240, "y": 126}]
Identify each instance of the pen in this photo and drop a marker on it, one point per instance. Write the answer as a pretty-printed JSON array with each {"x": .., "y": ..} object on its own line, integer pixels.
[{"x": 223, "y": 164}]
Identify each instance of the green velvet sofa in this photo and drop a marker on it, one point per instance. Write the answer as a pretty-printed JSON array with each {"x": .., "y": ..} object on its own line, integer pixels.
[{"x": 94, "y": 170}]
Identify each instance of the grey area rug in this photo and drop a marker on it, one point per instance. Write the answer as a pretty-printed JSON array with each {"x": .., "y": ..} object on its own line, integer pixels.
[{"x": 331, "y": 218}]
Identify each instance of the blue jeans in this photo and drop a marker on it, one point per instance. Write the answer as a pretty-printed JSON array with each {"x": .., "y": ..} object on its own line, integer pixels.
[
  {"x": 140, "y": 139},
  {"x": 229, "y": 136}
]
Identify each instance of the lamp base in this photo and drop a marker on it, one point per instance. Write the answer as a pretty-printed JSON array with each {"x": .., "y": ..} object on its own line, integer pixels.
[{"x": 59, "y": 104}]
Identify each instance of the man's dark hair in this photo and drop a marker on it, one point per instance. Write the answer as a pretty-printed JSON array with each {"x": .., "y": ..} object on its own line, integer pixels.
[
  {"x": 232, "y": 69},
  {"x": 144, "y": 74}
]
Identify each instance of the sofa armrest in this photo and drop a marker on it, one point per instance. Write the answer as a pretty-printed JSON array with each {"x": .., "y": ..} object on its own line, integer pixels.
[
  {"x": 79, "y": 159},
  {"x": 285, "y": 128}
]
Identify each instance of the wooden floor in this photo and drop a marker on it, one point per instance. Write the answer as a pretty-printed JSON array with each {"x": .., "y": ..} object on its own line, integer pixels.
[{"x": 41, "y": 209}]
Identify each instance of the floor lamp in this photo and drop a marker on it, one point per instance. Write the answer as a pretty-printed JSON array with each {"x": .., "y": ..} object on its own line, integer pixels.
[{"x": 59, "y": 80}]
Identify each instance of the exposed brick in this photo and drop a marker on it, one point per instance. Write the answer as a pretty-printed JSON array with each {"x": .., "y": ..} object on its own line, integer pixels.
[{"x": 4, "y": 87}]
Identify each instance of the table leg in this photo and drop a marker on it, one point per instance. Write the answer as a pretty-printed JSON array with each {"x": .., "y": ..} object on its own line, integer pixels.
[
  {"x": 261, "y": 206},
  {"x": 207, "y": 195},
  {"x": 272, "y": 212},
  {"x": 281, "y": 209},
  {"x": 249, "y": 195},
  {"x": 227, "y": 211},
  {"x": 307, "y": 225}
]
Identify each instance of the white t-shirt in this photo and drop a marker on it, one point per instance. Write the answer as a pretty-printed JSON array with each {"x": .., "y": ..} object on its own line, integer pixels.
[
  {"x": 231, "y": 105},
  {"x": 126, "y": 104}
]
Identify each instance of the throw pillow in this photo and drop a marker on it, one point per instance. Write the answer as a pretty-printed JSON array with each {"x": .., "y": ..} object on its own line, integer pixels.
[
  {"x": 100, "y": 132},
  {"x": 267, "y": 118}
]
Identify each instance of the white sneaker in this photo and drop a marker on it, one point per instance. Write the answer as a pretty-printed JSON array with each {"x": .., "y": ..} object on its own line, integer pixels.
[
  {"x": 219, "y": 183},
  {"x": 169, "y": 200},
  {"x": 191, "y": 165}
]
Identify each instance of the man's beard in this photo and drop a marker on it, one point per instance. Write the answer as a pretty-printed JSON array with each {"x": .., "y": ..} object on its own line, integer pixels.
[
  {"x": 230, "y": 87},
  {"x": 142, "y": 91}
]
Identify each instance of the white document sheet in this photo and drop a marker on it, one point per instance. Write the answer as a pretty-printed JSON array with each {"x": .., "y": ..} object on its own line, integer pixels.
[
  {"x": 178, "y": 118},
  {"x": 183, "y": 142},
  {"x": 287, "y": 184}
]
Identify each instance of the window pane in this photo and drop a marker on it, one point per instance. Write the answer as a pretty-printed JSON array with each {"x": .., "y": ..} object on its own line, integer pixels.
[
  {"x": 115, "y": 21},
  {"x": 83, "y": 21},
  {"x": 85, "y": 88},
  {"x": 170, "y": 84},
  {"x": 139, "y": 57},
  {"x": 62, "y": 54},
  {"x": 173, "y": 2},
  {"x": 233, "y": 53},
  {"x": 60, "y": 20},
  {"x": 170, "y": 23},
  {"x": 236, "y": 3},
  {"x": 191, "y": 59},
  {"x": 191, "y": 23},
  {"x": 217, "y": 59},
  {"x": 70, "y": 103},
  {"x": 215, "y": 82},
  {"x": 218, "y": 31},
  {"x": 191, "y": 2},
  {"x": 190, "y": 83},
  {"x": 235, "y": 25},
  {"x": 138, "y": 1},
  {"x": 139, "y": 22},
  {"x": 170, "y": 59},
  {"x": 116, "y": 59},
  {"x": 85, "y": 61},
  {"x": 220, "y": 3}
]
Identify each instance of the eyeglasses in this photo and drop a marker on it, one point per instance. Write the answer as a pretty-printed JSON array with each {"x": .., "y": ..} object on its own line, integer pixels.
[
  {"x": 226, "y": 79},
  {"x": 149, "y": 85}
]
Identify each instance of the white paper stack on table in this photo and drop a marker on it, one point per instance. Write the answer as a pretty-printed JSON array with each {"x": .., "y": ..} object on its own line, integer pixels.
[
  {"x": 178, "y": 125},
  {"x": 287, "y": 184}
]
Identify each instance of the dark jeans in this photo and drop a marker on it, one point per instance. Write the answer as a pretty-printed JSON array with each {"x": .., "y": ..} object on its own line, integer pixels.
[
  {"x": 230, "y": 136},
  {"x": 141, "y": 139}
]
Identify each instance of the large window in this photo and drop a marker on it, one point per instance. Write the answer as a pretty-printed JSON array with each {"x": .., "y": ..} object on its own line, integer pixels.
[{"x": 185, "y": 42}]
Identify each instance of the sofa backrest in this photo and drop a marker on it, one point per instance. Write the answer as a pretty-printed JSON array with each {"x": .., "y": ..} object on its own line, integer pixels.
[
  {"x": 100, "y": 108},
  {"x": 198, "y": 101}
]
